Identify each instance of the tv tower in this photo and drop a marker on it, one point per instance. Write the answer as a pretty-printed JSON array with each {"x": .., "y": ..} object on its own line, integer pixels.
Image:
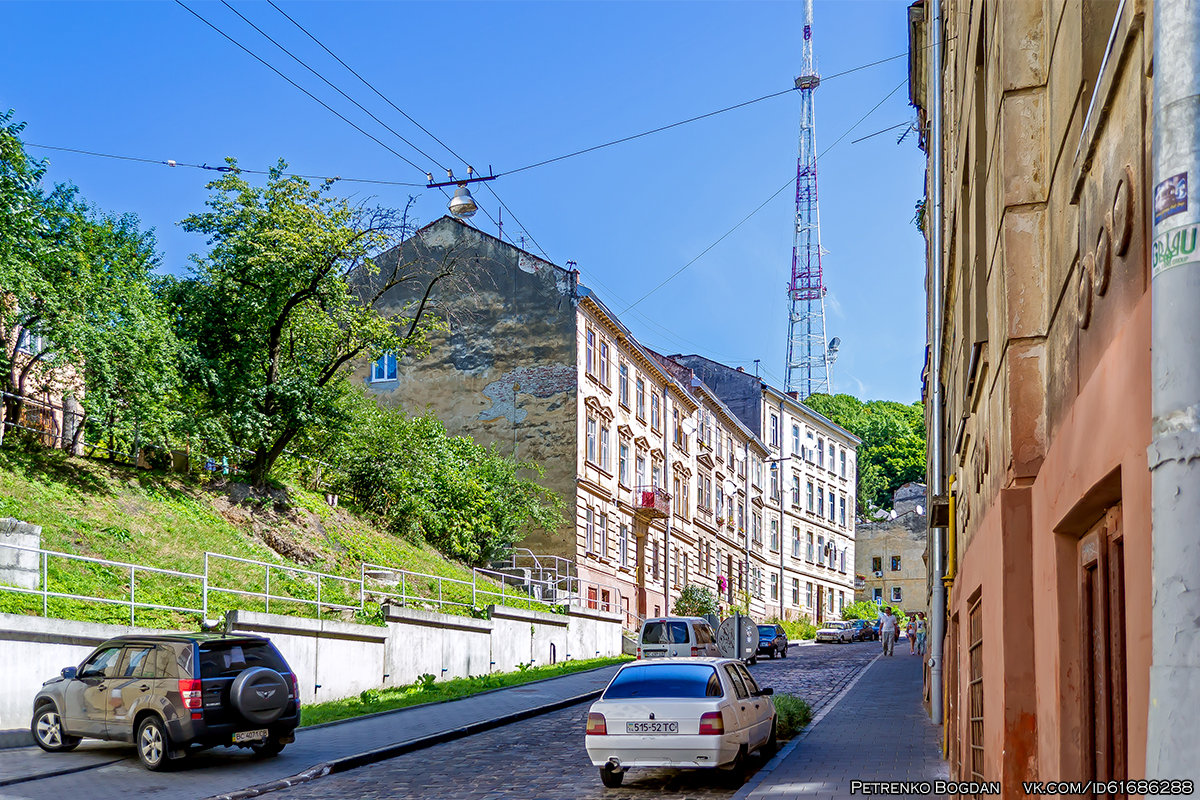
[{"x": 808, "y": 355}]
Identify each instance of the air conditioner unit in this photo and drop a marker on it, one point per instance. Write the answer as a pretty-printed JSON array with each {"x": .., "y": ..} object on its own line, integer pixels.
[{"x": 878, "y": 573}]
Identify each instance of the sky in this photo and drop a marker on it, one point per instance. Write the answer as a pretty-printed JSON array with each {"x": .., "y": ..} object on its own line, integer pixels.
[{"x": 507, "y": 84}]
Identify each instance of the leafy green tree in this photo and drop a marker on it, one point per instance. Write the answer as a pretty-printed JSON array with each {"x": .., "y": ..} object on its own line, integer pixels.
[
  {"x": 862, "y": 609},
  {"x": 289, "y": 295},
  {"x": 696, "y": 601},
  {"x": 465, "y": 499},
  {"x": 892, "y": 452}
]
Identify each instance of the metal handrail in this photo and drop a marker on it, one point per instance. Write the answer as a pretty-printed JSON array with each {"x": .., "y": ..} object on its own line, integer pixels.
[{"x": 266, "y": 593}]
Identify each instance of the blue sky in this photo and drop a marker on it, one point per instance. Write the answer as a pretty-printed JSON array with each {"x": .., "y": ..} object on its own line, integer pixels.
[{"x": 507, "y": 84}]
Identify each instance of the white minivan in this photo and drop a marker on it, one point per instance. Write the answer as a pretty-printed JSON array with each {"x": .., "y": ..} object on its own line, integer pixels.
[{"x": 677, "y": 637}]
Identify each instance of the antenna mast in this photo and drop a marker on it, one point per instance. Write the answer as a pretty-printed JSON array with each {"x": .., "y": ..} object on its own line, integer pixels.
[{"x": 807, "y": 354}]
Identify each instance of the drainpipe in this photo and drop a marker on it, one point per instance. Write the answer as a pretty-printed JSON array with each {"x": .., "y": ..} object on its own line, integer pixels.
[
  {"x": 1174, "y": 453},
  {"x": 746, "y": 515},
  {"x": 670, "y": 507},
  {"x": 937, "y": 621}
]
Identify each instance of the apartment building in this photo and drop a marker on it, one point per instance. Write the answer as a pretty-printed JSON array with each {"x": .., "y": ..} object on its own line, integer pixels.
[
  {"x": 891, "y": 554},
  {"x": 803, "y": 556},
  {"x": 1045, "y": 367}
]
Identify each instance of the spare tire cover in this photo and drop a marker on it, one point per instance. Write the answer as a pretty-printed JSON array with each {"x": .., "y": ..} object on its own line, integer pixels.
[{"x": 259, "y": 694}]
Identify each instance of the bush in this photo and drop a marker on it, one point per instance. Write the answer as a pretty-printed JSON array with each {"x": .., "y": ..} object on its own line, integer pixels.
[
  {"x": 791, "y": 715},
  {"x": 695, "y": 601},
  {"x": 796, "y": 630},
  {"x": 863, "y": 609}
]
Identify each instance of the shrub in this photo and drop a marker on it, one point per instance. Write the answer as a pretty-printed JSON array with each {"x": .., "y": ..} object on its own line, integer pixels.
[
  {"x": 796, "y": 630},
  {"x": 792, "y": 713},
  {"x": 695, "y": 601}
]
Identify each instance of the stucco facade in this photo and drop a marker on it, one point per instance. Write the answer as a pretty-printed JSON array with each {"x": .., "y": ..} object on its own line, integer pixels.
[{"x": 1045, "y": 360}]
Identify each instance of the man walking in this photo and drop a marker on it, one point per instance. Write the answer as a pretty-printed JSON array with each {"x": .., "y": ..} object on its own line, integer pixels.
[{"x": 888, "y": 631}]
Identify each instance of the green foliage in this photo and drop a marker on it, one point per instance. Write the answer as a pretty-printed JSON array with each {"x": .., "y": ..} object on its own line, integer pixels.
[
  {"x": 373, "y": 701},
  {"x": 696, "y": 601},
  {"x": 796, "y": 630},
  {"x": 863, "y": 609},
  {"x": 792, "y": 713},
  {"x": 425, "y": 681},
  {"x": 892, "y": 452},
  {"x": 465, "y": 499}
]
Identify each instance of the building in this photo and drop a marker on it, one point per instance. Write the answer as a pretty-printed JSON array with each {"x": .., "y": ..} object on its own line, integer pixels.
[
  {"x": 665, "y": 483},
  {"x": 808, "y": 511},
  {"x": 1043, "y": 339},
  {"x": 42, "y": 393},
  {"x": 890, "y": 555}
]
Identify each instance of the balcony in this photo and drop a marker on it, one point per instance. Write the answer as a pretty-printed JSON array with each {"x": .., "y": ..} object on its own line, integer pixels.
[{"x": 651, "y": 502}]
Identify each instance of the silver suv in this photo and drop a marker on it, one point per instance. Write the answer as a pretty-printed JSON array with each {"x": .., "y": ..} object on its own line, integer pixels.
[{"x": 171, "y": 692}]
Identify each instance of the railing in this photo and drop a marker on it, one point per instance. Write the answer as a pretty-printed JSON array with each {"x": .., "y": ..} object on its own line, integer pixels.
[{"x": 320, "y": 579}]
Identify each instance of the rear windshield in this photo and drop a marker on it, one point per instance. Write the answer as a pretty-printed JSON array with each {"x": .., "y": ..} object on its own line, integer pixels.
[
  {"x": 668, "y": 632},
  {"x": 227, "y": 659},
  {"x": 665, "y": 680},
  {"x": 766, "y": 630}
]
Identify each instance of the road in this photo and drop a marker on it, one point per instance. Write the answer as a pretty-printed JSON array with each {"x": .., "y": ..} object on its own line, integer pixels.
[{"x": 541, "y": 757}]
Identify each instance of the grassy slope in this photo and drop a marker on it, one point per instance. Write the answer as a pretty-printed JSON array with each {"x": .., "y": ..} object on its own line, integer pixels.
[{"x": 92, "y": 509}]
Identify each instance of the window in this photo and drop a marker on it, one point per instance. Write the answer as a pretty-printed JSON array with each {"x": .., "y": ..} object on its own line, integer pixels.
[
  {"x": 795, "y": 490},
  {"x": 795, "y": 440},
  {"x": 774, "y": 586},
  {"x": 654, "y": 420},
  {"x": 830, "y": 598},
  {"x": 820, "y": 452},
  {"x": 774, "y": 430},
  {"x": 831, "y": 454},
  {"x": 774, "y": 534},
  {"x": 897, "y": 594},
  {"x": 842, "y": 458},
  {"x": 975, "y": 689},
  {"x": 656, "y": 475},
  {"x": 842, "y": 511},
  {"x": 687, "y": 505},
  {"x": 831, "y": 504},
  {"x": 677, "y": 431},
  {"x": 795, "y": 591},
  {"x": 623, "y": 545},
  {"x": 640, "y": 397},
  {"x": 833, "y": 552},
  {"x": 842, "y": 568},
  {"x": 820, "y": 501},
  {"x": 602, "y": 534},
  {"x": 654, "y": 563},
  {"x": 382, "y": 369},
  {"x": 720, "y": 502},
  {"x": 774, "y": 481},
  {"x": 623, "y": 463},
  {"x": 841, "y": 601},
  {"x": 675, "y": 568},
  {"x": 591, "y": 531},
  {"x": 591, "y": 439},
  {"x": 623, "y": 396},
  {"x": 795, "y": 542},
  {"x": 810, "y": 495},
  {"x": 720, "y": 449},
  {"x": 754, "y": 522},
  {"x": 810, "y": 546},
  {"x": 605, "y": 462},
  {"x": 877, "y": 594},
  {"x": 877, "y": 564},
  {"x": 895, "y": 563},
  {"x": 603, "y": 363},
  {"x": 640, "y": 461},
  {"x": 821, "y": 550},
  {"x": 676, "y": 498},
  {"x": 590, "y": 354},
  {"x": 808, "y": 594}
]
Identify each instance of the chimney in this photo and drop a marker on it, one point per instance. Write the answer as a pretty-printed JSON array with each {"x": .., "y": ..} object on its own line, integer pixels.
[
  {"x": 794, "y": 395},
  {"x": 741, "y": 370}
]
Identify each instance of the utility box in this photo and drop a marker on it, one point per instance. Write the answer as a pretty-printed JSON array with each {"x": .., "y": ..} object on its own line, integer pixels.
[{"x": 20, "y": 568}]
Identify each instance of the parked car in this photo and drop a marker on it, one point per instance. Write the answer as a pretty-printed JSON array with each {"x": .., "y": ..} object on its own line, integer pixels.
[
  {"x": 772, "y": 640},
  {"x": 171, "y": 692},
  {"x": 864, "y": 631},
  {"x": 680, "y": 713},
  {"x": 677, "y": 637},
  {"x": 836, "y": 631}
]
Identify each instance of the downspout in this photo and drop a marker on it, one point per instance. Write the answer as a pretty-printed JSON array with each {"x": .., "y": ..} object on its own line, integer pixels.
[
  {"x": 1174, "y": 453},
  {"x": 948, "y": 581},
  {"x": 745, "y": 521},
  {"x": 670, "y": 506},
  {"x": 937, "y": 621},
  {"x": 779, "y": 472}
]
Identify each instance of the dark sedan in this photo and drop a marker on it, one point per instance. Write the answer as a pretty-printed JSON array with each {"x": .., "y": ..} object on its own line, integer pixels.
[
  {"x": 772, "y": 640},
  {"x": 864, "y": 631}
]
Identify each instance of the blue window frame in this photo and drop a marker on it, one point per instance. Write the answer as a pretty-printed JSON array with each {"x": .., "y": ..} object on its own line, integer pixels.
[{"x": 384, "y": 369}]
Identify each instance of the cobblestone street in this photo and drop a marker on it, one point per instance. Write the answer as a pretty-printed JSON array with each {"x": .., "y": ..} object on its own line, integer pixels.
[{"x": 544, "y": 758}]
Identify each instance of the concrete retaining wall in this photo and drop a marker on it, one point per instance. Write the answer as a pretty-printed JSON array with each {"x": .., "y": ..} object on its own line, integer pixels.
[
  {"x": 20, "y": 568},
  {"x": 331, "y": 659}
]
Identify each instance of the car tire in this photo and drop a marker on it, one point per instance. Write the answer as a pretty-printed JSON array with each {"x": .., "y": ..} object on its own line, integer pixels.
[
  {"x": 772, "y": 746},
  {"x": 753, "y": 660},
  {"x": 268, "y": 749},
  {"x": 783, "y": 652},
  {"x": 153, "y": 744},
  {"x": 47, "y": 730},
  {"x": 611, "y": 778},
  {"x": 771, "y": 653},
  {"x": 735, "y": 773}
]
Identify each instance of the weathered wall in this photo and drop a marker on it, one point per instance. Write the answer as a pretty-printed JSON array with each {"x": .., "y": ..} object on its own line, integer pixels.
[
  {"x": 904, "y": 536},
  {"x": 20, "y": 568},
  {"x": 512, "y": 326}
]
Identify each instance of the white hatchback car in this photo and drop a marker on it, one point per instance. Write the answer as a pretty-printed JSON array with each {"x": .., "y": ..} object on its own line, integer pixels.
[{"x": 680, "y": 713}]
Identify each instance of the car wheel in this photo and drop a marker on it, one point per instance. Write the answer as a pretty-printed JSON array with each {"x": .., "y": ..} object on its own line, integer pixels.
[
  {"x": 735, "y": 772},
  {"x": 48, "y": 732},
  {"x": 772, "y": 746},
  {"x": 610, "y": 777},
  {"x": 753, "y": 660},
  {"x": 153, "y": 744},
  {"x": 783, "y": 652},
  {"x": 771, "y": 653},
  {"x": 268, "y": 749}
]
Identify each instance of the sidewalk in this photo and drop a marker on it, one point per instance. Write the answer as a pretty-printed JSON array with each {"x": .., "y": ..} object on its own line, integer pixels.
[
  {"x": 29, "y": 772},
  {"x": 877, "y": 731}
]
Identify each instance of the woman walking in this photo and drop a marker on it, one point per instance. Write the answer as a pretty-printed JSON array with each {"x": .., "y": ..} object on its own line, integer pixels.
[
  {"x": 910, "y": 630},
  {"x": 921, "y": 632}
]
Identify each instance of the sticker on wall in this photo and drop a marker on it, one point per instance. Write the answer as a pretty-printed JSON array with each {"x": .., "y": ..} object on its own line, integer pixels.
[
  {"x": 1170, "y": 197},
  {"x": 1174, "y": 249}
]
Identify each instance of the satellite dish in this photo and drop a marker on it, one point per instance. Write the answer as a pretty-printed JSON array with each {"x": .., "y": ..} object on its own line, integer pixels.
[{"x": 920, "y": 511}]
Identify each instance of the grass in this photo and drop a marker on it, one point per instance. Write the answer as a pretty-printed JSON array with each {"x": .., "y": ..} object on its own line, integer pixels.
[
  {"x": 792, "y": 713},
  {"x": 91, "y": 508},
  {"x": 428, "y": 690},
  {"x": 796, "y": 630}
]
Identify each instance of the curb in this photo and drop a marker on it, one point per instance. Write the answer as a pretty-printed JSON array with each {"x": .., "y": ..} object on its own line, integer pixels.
[
  {"x": 760, "y": 776},
  {"x": 19, "y": 737},
  {"x": 392, "y": 751},
  {"x": 56, "y": 773}
]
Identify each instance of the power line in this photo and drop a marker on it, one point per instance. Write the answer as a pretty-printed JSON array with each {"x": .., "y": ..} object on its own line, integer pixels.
[
  {"x": 328, "y": 83},
  {"x": 301, "y": 88},
  {"x": 173, "y": 163},
  {"x": 368, "y": 84}
]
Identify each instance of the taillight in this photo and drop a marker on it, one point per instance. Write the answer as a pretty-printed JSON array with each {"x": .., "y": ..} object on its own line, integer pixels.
[
  {"x": 295, "y": 689},
  {"x": 695, "y": 652},
  {"x": 712, "y": 722},
  {"x": 191, "y": 690},
  {"x": 639, "y": 654},
  {"x": 595, "y": 725}
]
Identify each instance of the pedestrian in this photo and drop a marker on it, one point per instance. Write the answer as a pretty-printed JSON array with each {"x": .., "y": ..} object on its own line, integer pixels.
[
  {"x": 888, "y": 631},
  {"x": 922, "y": 632},
  {"x": 910, "y": 631}
]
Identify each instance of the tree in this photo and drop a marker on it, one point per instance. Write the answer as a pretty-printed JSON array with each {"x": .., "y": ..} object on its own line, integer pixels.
[
  {"x": 289, "y": 295},
  {"x": 696, "y": 601},
  {"x": 892, "y": 452}
]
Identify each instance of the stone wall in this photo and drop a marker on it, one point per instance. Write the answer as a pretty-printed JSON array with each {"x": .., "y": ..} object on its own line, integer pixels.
[{"x": 17, "y": 567}]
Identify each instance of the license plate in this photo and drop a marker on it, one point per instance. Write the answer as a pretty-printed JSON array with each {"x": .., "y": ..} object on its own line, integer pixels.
[
  {"x": 242, "y": 737},
  {"x": 654, "y": 653},
  {"x": 652, "y": 727}
]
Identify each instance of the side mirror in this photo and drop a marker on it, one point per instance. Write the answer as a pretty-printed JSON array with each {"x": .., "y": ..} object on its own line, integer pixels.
[
  {"x": 766, "y": 691},
  {"x": 69, "y": 672}
]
